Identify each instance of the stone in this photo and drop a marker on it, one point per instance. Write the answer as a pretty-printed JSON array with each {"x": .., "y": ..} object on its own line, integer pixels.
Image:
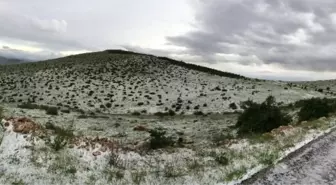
[{"x": 96, "y": 153}]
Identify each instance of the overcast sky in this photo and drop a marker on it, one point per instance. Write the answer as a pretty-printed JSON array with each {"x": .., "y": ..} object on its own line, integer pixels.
[{"x": 272, "y": 39}]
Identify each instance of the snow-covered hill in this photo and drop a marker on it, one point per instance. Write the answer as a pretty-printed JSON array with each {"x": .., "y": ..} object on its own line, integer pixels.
[{"x": 122, "y": 82}]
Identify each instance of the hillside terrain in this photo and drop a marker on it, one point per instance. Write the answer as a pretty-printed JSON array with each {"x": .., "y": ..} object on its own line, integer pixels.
[
  {"x": 125, "y": 82},
  {"x": 120, "y": 118}
]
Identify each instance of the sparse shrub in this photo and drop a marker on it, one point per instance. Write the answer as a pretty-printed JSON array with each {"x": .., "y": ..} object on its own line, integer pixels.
[
  {"x": 18, "y": 182},
  {"x": 158, "y": 139},
  {"x": 136, "y": 113},
  {"x": 199, "y": 113},
  {"x": 233, "y": 106},
  {"x": 108, "y": 105},
  {"x": 28, "y": 106},
  {"x": 260, "y": 118},
  {"x": 222, "y": 159},
  {"x": 315, "y": 108},
  {"x": 115, "y": 160},
  {"x": 71, "y": 170},
  {"x": 1, "y": 112},
  {"x": 51, "y": 111},
  {"x": 220, "y": 137},
  {"x": 171, "y": 113},
  {"x": 65, "y": 111},
  {"x": 61, "y": 138},
  {"x": 160, "y": 114},
  {"x": 58, "y": 143}
]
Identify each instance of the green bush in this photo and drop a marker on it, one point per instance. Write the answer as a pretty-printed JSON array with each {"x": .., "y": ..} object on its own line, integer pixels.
[
  {"x": 61, "y": 138},
  {"x": 260, "y": 118},
  {"x": 51, "y": 111},
  {"x": 171, "y": 113},
  {"x": 222, "y": 159},
  {"x": 58, "y": 143},
  {"x": 315, "y": 108},
  {"x": 29, "y": 106},
  {"x": 18, "y": 182},
  {"x": 162, "y": 114},
  {"x": 158, "y": 139},
  {"x": 136, "y": 113},
  {"x": 233, "y": 106},
  {"x": 199, "y": 113},
  {"x": 1, "y": 112}
]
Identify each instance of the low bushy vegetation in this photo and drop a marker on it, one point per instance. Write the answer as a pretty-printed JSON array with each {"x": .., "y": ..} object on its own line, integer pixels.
[
  {"x": 61, "y": 138},
  {"x": 58, "y": 143},
  {"x": 162, "y": 114},
  {"x": 261, "y": 118},
  {"x": 1, "y": 112},
  {"x": 158, "y": 139},
  {"x": 49, "y": 109},
  {"x": 136, "y": 113},
  {"x": 315, "y": 108},
  {"x": 199, "y": 113},
  {"x": 222, "y": 159}
]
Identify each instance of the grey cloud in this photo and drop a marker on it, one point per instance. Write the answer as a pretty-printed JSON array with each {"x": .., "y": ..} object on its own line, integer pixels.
[
  {"x": 44, "y": 33},
  {"x": 293, "y": 33},
  {"x": 8, "y": 52}
]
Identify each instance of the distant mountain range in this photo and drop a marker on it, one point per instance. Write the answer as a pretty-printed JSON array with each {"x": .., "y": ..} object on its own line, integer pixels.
[{"x": 4, "y": 60}]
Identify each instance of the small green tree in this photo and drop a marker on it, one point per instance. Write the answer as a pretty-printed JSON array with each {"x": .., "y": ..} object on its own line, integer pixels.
[
  {"x": 315, "y": 108},
  {"x": 159, "y": 139},
  {"x": 260, "y": 118}
]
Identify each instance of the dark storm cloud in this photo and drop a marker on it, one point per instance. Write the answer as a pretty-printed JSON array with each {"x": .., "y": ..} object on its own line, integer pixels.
[{"x": 298, "y": 34}]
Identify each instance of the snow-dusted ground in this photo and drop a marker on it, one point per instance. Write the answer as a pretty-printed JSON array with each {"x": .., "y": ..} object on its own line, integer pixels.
[
  {"x": 121, "y": 84},
  {"x": 315, "y": 165},
  {"x": 28, "y": 159}
]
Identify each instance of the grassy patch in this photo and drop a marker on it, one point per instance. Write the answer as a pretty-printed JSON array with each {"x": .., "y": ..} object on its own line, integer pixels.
[
  {"x": 260, "y": 138},
  {"x": 222, "y": 159},
  {"x": 18, "y": 182},
  {"x": 138, "y": 176},
  {"x": 268, "y": 157},
  {"x": 171, "y": 171},
  {"x": 61, "y": 138},
  {"x": 236, "y": 174},
  {"x": 63, "y": 163},
  {"x": 195, "y": 165}
]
